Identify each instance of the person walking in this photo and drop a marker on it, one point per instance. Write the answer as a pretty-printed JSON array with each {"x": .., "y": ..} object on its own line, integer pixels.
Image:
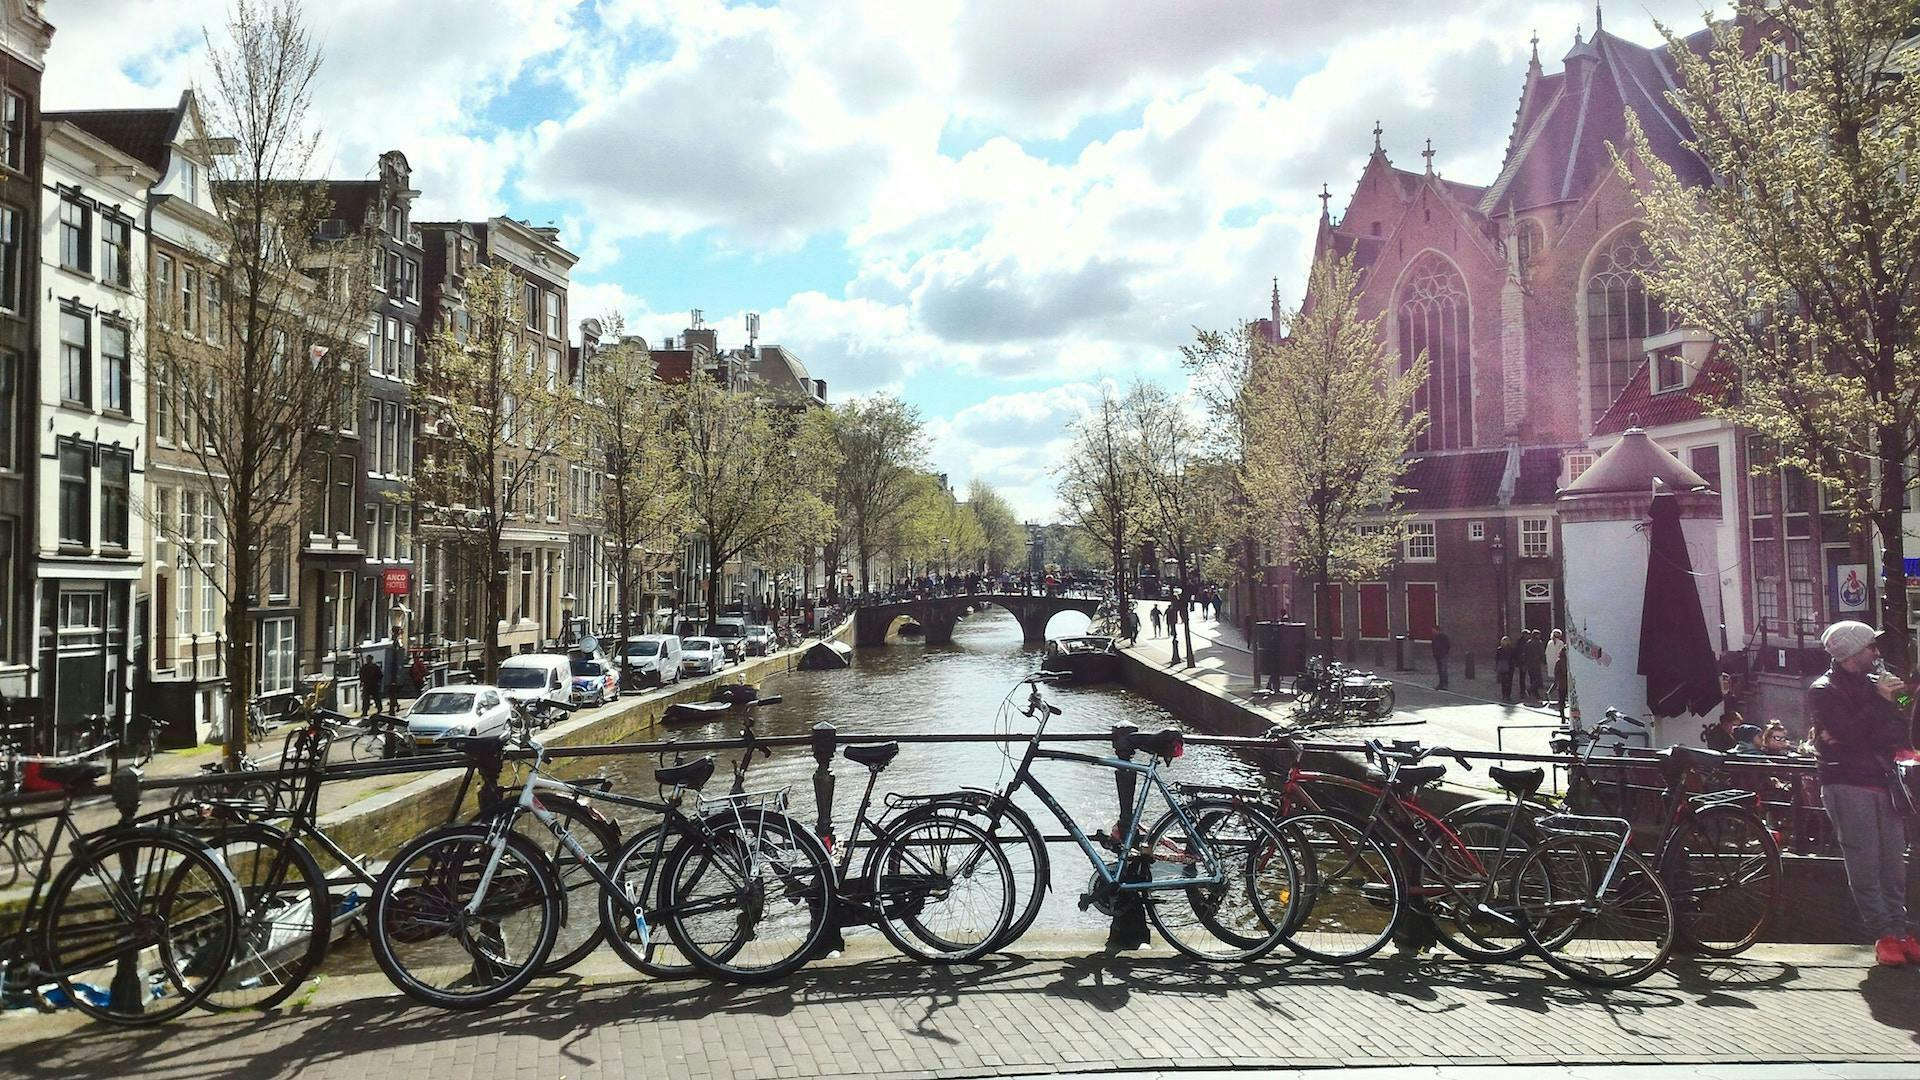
[
  {"x": 1856, "y": 730},
  {"x": 1556, "y": 653},
  {"x": 369, "y": 687},
  {"x": 1536, "y": 665},
  {"x": 1442, "y": 648},
  {"x": 1503, "y": 668},
  {"x": 1154, "y": 611}
]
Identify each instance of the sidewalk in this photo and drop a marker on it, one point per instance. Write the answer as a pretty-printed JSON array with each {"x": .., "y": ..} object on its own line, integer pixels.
[{"x": 873, "y": 1014}]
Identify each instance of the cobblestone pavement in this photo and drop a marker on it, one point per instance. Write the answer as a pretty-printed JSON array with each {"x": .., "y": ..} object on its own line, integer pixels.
[{"x": 884, "y": 1016}]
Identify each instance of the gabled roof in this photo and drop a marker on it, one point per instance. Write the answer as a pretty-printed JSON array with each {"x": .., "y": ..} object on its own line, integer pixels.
[
  {"x": 1639, "y": 406},
  {"x": 146, "y": 135},
  {"x": 1539, "y": 475},
  {"x": 1454, "y": 481}
]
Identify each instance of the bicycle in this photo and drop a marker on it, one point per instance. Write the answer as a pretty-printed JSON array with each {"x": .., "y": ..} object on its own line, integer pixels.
[
  {"x": 465, "y": 915},
  {"x": 139, "y": 924},
  {"x": 1329, "y": 689}
]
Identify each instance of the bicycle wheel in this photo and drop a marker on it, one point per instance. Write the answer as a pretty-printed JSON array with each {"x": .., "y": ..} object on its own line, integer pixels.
[
  {"x": 1242, "y": 916},
  {"x": 1614, "y": 935},
  {"x": 580, "y": 931},
  {"x": 1382, "y": 702},
  {"x": 1472, "y": 897},
  {"x": 288, "y": 920},
  {"x": 1350, "y": 890},
  {"x": 639, "y": 870},
  {"x": 1723, "y": 870},
  {"x": 437, "y": 950},
  {"x": 749, "y": 895},
  {"x": 141, "y": 927},
  {"x": 943, "y": 888},
  {"x": 1023, "y": 845}
]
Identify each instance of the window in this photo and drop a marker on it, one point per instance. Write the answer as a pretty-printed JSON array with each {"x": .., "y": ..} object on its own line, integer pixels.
[
  {"x": 75, "y": 496},
  {"x": 373, "y": 436},
  {"x": 405, "y": 465},
  {"x": 9, "y": 400},
  {"x": 1421, "y": 543},
  {"x": 116, "y": 497},
  {"x": 410, "y": 274},
  {"x": 1705, "y": 460},
  {"x": 371, "y": 538},
  {"x": 553, "y": 493},
  {"x": 1529, "y": 239},
  {"x": 342, "y": 509},
  {"x": 1433, "y": 322},
  {"x": 13, "y": 131},
  {"x": 1574, "y": 464},
  {"x": 1802, "y": 586},
  {"x": 163, "y": 287},
  {"x": 526, "y": 584},
  {"x": 188, "y": 527},
  {"x": 76, "y": 357},
  {"x": 373, "y": 348},
  {"x": 389, "y": 439},
  {"x": 277, "y": 564},
  {"x": 1763, "y": 488},
  {"x": 10, "y": 260},
  {"x": 530, "y": 300},
  {"x": 276, "y": 655},
  {"x": 1766, "y": 584},
  {"x": 116, "y": 245},
  {"x": 1621, "y": 313},
  {"x": 211, "y": 552},
  {"x": 116, "y": 371},
  {"x": 1536, "y": 537},
  {"x": 553, "y": 314},
  {"x": 189, "y": 299},
  {"x": 403, "y": 536},
  {"x": 74, "y": 239},
  {"x": 215, "y": 330},
  {"x": 406, "y": 352},
  {"x": 553, "y": 367},
  {"x": 1476, "y": 530},
  {"x": 390, "y": 349},
  {"x": 1668, "y": 372}
]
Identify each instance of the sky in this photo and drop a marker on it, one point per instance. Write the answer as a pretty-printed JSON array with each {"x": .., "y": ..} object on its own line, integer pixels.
[{"x": 985, "y": 207}]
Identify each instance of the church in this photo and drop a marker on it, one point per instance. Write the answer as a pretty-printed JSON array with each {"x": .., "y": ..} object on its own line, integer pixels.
[{"x": 1527, "y": 295}]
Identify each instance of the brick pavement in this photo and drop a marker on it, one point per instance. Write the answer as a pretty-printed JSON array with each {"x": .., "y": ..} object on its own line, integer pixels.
[{"x": 880, "y": 1015}]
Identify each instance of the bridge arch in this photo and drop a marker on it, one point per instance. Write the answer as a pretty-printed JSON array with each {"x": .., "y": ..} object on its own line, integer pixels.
[{"x": 939, "y": 614}]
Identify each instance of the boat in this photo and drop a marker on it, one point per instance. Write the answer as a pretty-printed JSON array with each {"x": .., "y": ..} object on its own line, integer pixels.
[
  {"x": 696, "y": 712},
  {"x": 1087, "y": 658},
  {"x": 912, "y": 629},
  {"x": 826, "y": 656}
]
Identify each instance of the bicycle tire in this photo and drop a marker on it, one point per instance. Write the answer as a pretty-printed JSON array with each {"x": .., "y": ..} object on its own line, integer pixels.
[
  {"x": 741, "y": 945},
  {"x": 420, "y": 900},
  {"x": 1346, "y": 879},
  {"x": 1462, "y": 929},
  {"x": 195, "y": 906},
  {"x": 916, "y": 875},
  {"x": 1723, "y": 871},
  {"x": 1638, "y": 930},
  {"x": 1245, "y": 915},
  {"x": 288, "y": 921},
  {"x": 1022, "y": 843},
  {"x": 1382, "y": 706},
  {"x": 581, "y": 930},
  {"x": 660, "y": 957}
]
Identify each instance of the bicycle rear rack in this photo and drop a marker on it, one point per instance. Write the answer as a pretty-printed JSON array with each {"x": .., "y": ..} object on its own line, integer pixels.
[{"x": 1610, "y": 828}]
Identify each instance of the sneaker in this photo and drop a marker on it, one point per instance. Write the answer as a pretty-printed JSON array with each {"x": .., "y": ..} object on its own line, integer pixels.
[
  {"x": 1910, "y": 946},
  {"x": 1890, "y": 952}
]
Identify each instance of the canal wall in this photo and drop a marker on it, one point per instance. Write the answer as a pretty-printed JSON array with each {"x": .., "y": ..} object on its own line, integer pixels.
[{"x": 1815, "y": 906}]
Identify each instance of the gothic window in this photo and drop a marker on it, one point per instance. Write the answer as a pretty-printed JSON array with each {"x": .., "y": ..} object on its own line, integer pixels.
[
  {"x": 1433, "y": 320},
  {"x": 1528, "y": 238},
  {"x": 1620, "y": 316}
]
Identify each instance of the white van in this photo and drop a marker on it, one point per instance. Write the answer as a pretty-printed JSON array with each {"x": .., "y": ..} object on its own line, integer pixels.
[
  {"x": 532, "y": 676},
  {"x": 653, "y": 659}
]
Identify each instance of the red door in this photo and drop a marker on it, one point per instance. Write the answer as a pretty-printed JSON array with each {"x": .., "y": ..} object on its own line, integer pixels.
[
  {"x": 1329, "y": 611},
  {"x": 1373, "y": 610},
  {"x": 1423, "y": 609}
]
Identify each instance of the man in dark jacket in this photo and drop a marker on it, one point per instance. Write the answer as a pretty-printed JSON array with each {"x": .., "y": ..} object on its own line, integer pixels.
[
  {"x": 1856, "y": 728},
  {"x": 1442, "y": 648}
]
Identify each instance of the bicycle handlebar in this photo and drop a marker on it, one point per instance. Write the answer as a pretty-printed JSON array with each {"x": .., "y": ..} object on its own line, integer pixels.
[{"x": 1377, "y": 751}]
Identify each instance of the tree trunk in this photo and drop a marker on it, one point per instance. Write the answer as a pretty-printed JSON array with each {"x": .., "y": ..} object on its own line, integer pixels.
[
  {"x": 239, "y": 624},
  {"x": 1322, "y": 577},
  {"x": 1898, "y": 648},
  {"x": 866, "y": 566},
  {"x": 713, "y": 589},
  {"x": 496, "y": 592}
]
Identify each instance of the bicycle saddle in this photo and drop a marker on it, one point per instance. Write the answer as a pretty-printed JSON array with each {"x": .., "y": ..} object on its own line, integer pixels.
[
  {"x": 1520, "y": 783},
  {"x": 693, "y": 774},
  {"x": 1412, "y": 776},
  {"x": 1676, "y": 760},
  {"x": 1168, "y": 743},
  {"x": 875, "y": 756}
]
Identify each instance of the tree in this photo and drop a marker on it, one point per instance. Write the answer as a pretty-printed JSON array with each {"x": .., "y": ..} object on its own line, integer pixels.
[
  {"x": 1220, "y": 368},
  {"x": 1179, "y": 493},
  {"x": 644, "y": 500},
  {"x": 938, "y": 530},
  {"x": 1006, "y": 537},
  {"x": 1803, "y": 258},
  {"x": 1329, "y": 422},
  {"x": 1098, "y": 487},
  {"x": 756, "y": 472},
  {"x": 492, "y": 423},
  {"x": 882, "y": 446},
  {"x": 254, "y": 367}
]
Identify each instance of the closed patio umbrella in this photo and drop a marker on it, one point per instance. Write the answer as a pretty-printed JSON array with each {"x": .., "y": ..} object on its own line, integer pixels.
[{"x": 1676, "y": 656}]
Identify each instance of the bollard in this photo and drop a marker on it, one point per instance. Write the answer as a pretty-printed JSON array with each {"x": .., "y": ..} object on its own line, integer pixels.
[
  {"x": 825, "y": 738},
  {"x": 1129, "y": 929},
  {"x": 1467, "y": 664},
  {"x": 1399, "y": 652},
  {"x": 128, "y": 992}
]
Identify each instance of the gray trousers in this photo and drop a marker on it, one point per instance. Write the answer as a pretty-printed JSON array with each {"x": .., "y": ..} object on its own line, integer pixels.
[{"x": 1873, "y": 840}]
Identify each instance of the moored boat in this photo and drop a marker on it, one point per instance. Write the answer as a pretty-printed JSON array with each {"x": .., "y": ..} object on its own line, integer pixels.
[
  {"x": 1087, "y": 658},
  {"x": 826, "y": 656}
]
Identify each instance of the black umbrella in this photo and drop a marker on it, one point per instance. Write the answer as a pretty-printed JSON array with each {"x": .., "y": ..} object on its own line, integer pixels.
[{"x": 1676, "y": 655}]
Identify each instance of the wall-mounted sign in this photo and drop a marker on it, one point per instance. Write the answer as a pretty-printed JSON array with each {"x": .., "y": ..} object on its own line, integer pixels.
[
  {"x": 1847, "y": 586},
  {"x": 394, "y": 580}
]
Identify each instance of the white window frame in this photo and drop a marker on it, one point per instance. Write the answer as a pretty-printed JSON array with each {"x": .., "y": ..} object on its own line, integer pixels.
[
  {"x": 1529, "y": 549},
  {"x": 1427, "y": 534},
  {"x": 1476, "y": 530}
]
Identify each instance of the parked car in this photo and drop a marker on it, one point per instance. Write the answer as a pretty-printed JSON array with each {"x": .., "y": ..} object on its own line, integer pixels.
[
  {"x": 731, "y": 632},
  {"x": 702, "y": 656},
  {"x": 533, "y": 676},
  {"x": 458, "y": 710},
  {"x": 759, "y": 640},
  {"x": 652, "y": 659},
  {"x": 596, "y": 681}
]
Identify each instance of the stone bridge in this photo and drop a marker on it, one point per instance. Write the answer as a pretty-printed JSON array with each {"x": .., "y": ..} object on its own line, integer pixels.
[{"x": 936, "y": 615}]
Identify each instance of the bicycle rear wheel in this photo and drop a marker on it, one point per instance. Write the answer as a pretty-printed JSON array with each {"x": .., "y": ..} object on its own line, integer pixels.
[
  {"x": 433, "y": 948},
  {"x": 639, "y": 868},
  {"x": 1473, "y": 906},
  {"x": 1611, "y": 936},
  {"x": 580, "y": 930},
  {"x": 1350, "y": 889},
  {"x": 1238, "y": 918},
  {"x": 749, "y": 896},
  {"x": 1723, "y": 869},
  {"x": 1020, "y": 841},
  {"x": 141, "y": 927},
  {"x": 942, "y": 886},
  {"x": 288, "y": 921}
]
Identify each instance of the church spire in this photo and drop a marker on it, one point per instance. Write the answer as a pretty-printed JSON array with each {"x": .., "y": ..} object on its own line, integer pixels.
[
  {"x": 1599, "y": 19},
  {"x": 1377, "y": 132},
  {"x": 1276, "y": 309},
  {"x": 1326, "y": 197},
  {"x": 1428, "y": 154}
]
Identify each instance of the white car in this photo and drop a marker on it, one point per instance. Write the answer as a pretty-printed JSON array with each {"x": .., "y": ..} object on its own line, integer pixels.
[
  {"x": 654, "y": 659},
  {"x": 458, "y": 710},
  {"x": 701, "y": 656}
]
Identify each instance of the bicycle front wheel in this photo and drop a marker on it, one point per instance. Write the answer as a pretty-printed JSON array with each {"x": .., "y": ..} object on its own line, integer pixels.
[
  {"x": 141, "y": 927},
  {"x": 1019, "y": 840},
  {"x": 580, "y": 931},
  {"x": 288, "y": 920},
  {"x": 444, "y": 941},
  {"x": 943, "y": 888},
  {"x": 748, "y": 895},
  {"x": 1240, "y": 900},
  {"x": 1592, "y": 925},
  {"x": 1723, "y": 869},
  {"x": 1350, "y": 890}
]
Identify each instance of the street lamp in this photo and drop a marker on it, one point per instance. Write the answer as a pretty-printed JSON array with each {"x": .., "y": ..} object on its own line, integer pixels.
[
  {"x": 1498, "y": 549},
  {"x": 946, "y": 567}
]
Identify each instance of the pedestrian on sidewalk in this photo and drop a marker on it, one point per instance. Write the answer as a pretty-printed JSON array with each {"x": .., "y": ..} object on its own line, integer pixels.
[
  {"x": 1442, "y": 648},
  {"x": 1557, "y": 667},
  {"x": 1856, "y": 730},
  {"x": 369, "y": 687},
  {"x": 1503, "y": 668},
  {"x": 1154, "y": 610},
  {"x": 1536, "y": 661}
]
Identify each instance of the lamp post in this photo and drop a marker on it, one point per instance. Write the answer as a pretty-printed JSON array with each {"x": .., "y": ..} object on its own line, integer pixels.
[
  {"x": 946, "y": 566},
  {"x": 1498, "y": 549}
]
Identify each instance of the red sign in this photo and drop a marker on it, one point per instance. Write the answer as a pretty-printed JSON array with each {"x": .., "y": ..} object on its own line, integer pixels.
[{"x": 396, "y": 580}]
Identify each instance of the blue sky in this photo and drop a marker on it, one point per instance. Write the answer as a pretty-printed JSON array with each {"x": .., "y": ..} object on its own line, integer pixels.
[{"x": 987, "y": 207}]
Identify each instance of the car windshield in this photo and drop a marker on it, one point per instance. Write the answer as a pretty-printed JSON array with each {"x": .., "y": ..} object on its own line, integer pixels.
[
  {"x": 697, "y": 645},
  {"x": 643, "y": 648},
  {"x": 443, "y": 704},
  {"x": 523, "y": 678},
  {"x": 587, "y": 667},
  {"x": 725, "y": 630}
]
